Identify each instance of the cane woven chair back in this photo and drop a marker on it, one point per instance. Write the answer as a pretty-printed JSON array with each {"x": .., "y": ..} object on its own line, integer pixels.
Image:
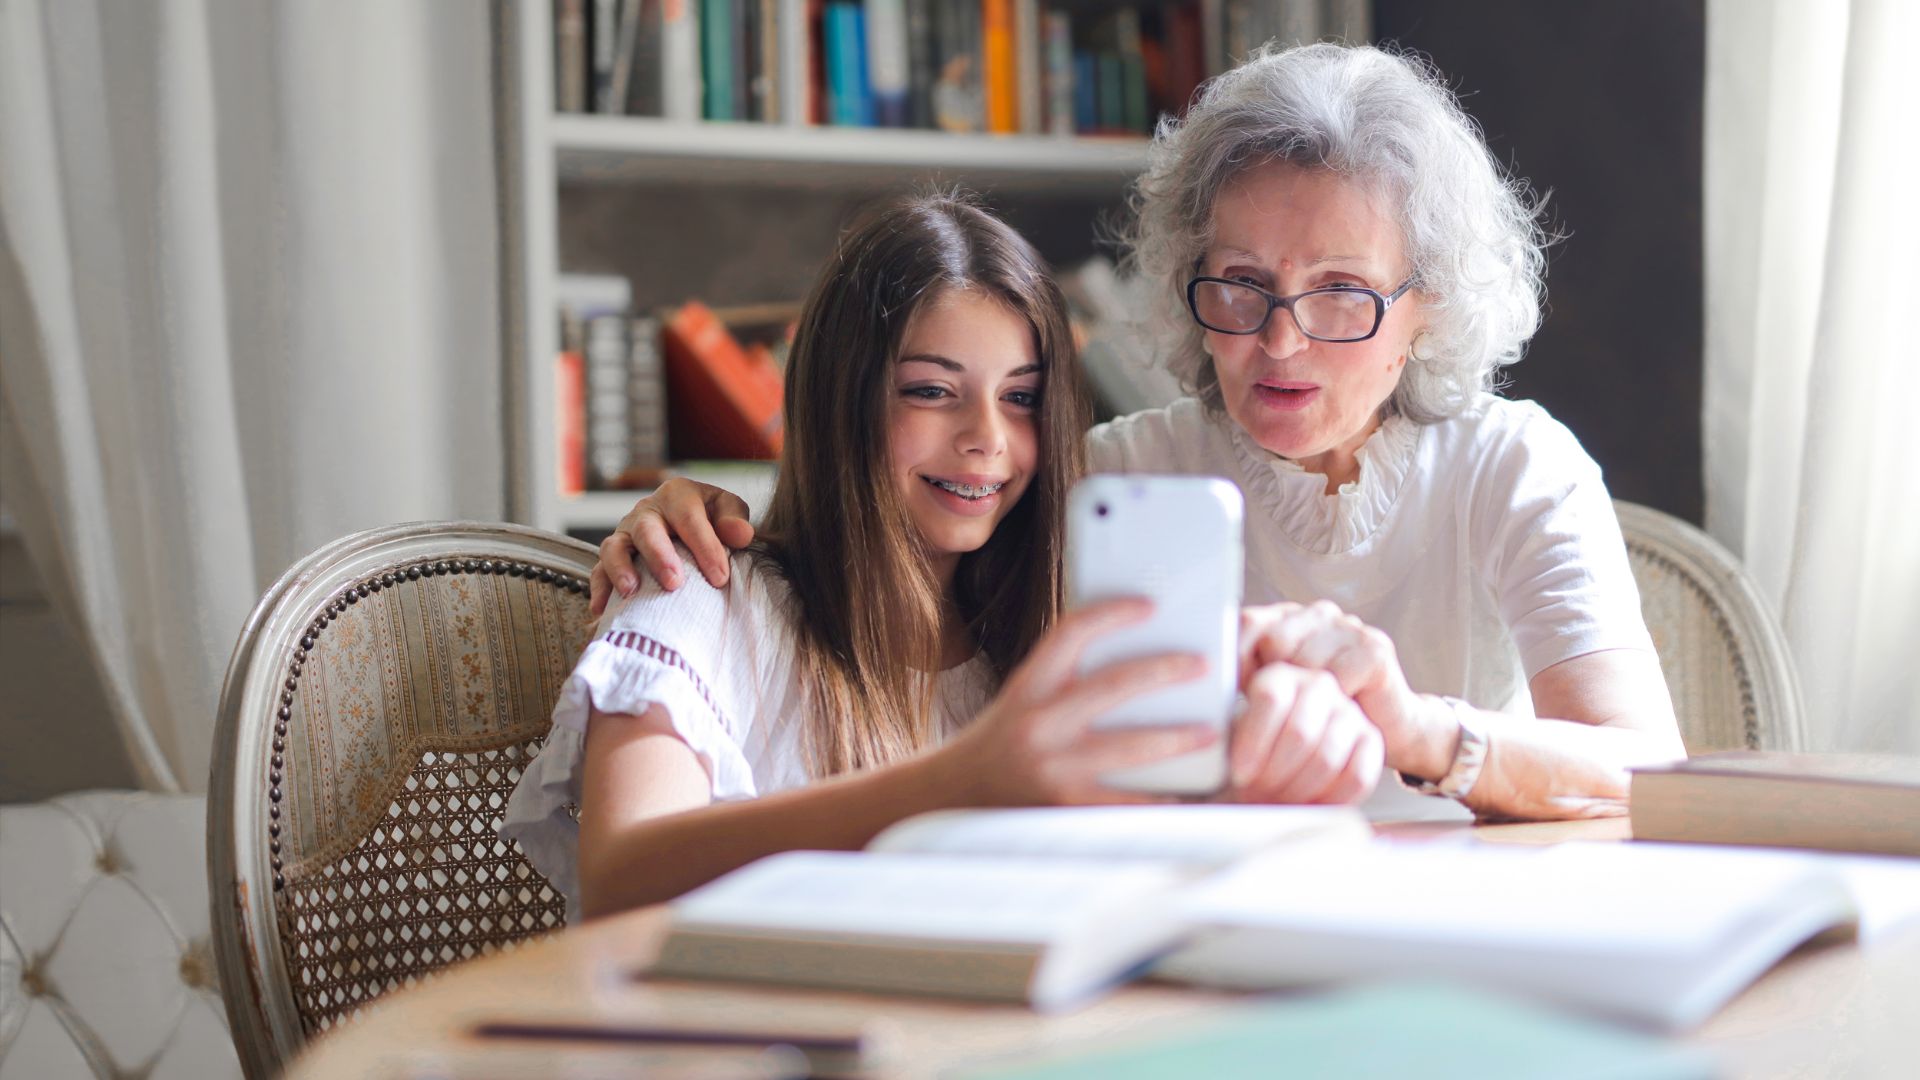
[
  {"x": 381, "y": 704},
  {"x": 1724, "y": 657}
]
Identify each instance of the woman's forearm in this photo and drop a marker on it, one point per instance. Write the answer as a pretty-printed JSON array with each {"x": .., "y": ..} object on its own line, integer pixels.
[
  {"x": 659, "y": 858},
  {"x": 1600, "y": 715},
  {"x": 1543, "y": 768}
]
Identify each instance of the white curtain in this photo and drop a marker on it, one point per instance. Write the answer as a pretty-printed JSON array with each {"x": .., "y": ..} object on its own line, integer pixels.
[
  {"x": 1812, "y": 422},
  {"x": 248, "y": 303}
]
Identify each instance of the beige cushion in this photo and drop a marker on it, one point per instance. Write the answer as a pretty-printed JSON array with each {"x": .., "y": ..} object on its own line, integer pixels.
[{"x": 105, "y": 964}]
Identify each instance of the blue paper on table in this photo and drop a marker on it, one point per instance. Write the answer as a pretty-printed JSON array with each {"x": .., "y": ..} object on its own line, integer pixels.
[{"x": 1432, "y": 1031}]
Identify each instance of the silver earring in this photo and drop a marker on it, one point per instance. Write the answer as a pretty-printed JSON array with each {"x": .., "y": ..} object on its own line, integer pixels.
[{"x": 1421, "y": 347}]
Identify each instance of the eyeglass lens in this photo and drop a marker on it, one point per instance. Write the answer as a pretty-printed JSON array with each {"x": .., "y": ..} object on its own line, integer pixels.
[{"x": 1333, "y": 313}]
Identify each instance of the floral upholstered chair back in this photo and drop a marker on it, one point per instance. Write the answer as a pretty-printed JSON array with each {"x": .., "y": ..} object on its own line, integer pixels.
[
  {"x": 1724, "y": 657},
  {"x": 382, "y": 702}
]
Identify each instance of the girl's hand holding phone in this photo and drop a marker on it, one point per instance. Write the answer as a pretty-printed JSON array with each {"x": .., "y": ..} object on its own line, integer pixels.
[{"x": 1035, "y": 744}]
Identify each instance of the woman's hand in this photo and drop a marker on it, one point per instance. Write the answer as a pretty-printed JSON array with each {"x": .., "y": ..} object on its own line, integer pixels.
[
  {"x": 1364, "y": 665},
  {"x": 1034, "y": 745},
  {"x": 707, "y": 519},
  {"x": 1300, "y": 740}
]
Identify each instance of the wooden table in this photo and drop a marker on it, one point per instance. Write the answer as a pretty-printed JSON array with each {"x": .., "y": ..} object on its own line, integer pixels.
[{"x": 1826, "y": 1010}]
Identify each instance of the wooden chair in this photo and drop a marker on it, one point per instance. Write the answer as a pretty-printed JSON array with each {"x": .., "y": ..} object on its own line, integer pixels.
[
  {"x": 382, "y": 702},
  {"x": 1724, "y": 657}
]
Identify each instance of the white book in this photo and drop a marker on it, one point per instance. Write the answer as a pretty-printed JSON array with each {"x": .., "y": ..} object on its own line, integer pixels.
[
  {"x": 1661, "y": 935},
  {"x": 1029, "y": 66},
  {"x": 680, "y": 81},
  {"x": 796, "y": 85},
  {"x": 1042, "y": 906}
]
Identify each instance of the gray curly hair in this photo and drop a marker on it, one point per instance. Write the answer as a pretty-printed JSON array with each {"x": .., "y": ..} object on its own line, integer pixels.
[{"x": 1390, "y": 122}]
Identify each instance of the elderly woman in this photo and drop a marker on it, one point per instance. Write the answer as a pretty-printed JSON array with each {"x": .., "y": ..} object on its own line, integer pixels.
[{"x": 1348, "y": 271}]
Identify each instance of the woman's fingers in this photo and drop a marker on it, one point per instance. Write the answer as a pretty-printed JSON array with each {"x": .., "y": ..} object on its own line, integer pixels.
[
  {"x": 689, "y": 522},
  {"x": 1361, "y": 773},
  {"x": 1303, "y": 755},
  {"x": 598, "y": 590},
  {"x": 647, "y": 533}
]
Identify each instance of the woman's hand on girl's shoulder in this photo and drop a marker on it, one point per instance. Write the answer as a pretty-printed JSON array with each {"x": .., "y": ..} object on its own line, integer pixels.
[
  {"x": 1035, "y": 744},
  {"x": 706, "y": 519}
]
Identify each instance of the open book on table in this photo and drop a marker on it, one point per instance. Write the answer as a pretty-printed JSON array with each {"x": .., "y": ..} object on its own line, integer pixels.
[
  {"x": 1048, "y": 907},
  {"x": 1653, "y": 934},
  {"x": 1041, "y": 906}
]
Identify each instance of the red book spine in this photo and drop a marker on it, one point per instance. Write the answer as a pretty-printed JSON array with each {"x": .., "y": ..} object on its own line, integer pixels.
[{"x": 570, "y": 422}]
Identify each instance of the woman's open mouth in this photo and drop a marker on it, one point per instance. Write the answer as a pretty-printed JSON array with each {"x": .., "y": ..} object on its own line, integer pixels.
[{"x": 1286, "y": 395}]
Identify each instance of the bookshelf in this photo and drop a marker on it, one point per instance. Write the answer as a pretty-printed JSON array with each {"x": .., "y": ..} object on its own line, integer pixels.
[{"x": 548, "y": 158}]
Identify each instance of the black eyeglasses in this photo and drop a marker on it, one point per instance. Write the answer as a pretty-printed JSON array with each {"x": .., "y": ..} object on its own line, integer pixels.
[{"x": 1339, "y": 314}]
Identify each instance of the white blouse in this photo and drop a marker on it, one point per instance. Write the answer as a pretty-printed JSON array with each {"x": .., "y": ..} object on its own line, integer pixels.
[
  {"x": 1485, "y": 546},
  {"x": 720, "y": 663}
]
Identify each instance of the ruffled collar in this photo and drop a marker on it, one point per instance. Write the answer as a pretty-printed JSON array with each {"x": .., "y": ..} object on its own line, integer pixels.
[{"x": 1296, "y": 499}]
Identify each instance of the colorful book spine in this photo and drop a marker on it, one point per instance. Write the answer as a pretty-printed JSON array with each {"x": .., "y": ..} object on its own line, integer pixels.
[
  {"x": 716, "y": 59},
  {"x": 1000, "y": 68},
  {"x": 1029, "y": 67},
  {"x": 646, "y": 396},
  {"x": 570, "y": 55},
  {"x": 845, "y": 64},
  {"x": 887, "y": 61},
  {"x": 922, "y": 68},
  {"x": 726, "y": 400},
  {"x": 604, "y": 38},
  {"x": 1058, "y": 28},
  {"x": 958, "y": 101},
  {"x": 608, "y": 433},
  {"x": 796, "y": 64},
  {"x": 682, "y": 91},
  {"x": 1086, "y": 92}
]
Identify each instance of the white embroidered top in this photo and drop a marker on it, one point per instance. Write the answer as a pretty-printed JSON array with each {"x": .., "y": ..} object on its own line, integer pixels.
[
  {"x": 720, "y": 662},
  {"x": 1486, "y": 545}
]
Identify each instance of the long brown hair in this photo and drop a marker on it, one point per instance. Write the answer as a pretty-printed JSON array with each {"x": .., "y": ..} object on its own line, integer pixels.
[{"x": 867, "y": 605}]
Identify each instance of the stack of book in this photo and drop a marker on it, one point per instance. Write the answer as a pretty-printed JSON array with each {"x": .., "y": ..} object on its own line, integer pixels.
[
  {"x": 619, "y": 369},
  {"x": 1002, "y": 66}
]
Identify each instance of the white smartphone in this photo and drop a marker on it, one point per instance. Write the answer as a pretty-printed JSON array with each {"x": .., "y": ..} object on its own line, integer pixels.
[{"x": 1174, "y": 540}]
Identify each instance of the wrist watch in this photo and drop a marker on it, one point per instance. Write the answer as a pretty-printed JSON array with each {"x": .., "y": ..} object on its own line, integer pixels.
[{"x": 1467, "y": 759}]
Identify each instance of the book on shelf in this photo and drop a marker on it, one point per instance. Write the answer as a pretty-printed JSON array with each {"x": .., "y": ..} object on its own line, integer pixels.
[
  {"x": 726, "y": 398},
  {"x": 1006, "y": 66},
  {"x": 1041, "y": 906},
  {"x": 1839, "y": 802}
]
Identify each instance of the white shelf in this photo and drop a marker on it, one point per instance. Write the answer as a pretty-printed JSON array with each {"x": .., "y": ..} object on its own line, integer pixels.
[
  {"x": 628, "y": 149},
  {"x": 751, "y": 480}
]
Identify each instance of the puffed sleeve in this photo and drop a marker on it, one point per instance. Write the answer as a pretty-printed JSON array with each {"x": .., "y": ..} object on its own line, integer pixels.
[
  {"x": 687, "y": 652},
  {"x": 1550, "y": 544}
]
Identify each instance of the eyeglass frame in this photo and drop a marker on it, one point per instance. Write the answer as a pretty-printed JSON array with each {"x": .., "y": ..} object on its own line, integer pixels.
[{"x": 1381, "y": 302}]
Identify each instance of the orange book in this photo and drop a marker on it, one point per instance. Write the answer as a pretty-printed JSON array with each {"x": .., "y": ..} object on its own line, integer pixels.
[
  {"x": 722, "y": 400},
  {"x": 570, "y": 422},
  {"x": 998, "y": 66}
]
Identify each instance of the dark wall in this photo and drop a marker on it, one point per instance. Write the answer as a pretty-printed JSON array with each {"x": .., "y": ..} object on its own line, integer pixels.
[{"x": 1600, "y": 104}]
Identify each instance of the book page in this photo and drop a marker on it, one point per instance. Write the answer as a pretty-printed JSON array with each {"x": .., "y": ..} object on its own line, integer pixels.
[
  {"x": 1580, "y": 898},
  {"x": 1889, "y": 769},
  {"x": 1196, "y": 835},
  {"x": 1022, "y": 901}
]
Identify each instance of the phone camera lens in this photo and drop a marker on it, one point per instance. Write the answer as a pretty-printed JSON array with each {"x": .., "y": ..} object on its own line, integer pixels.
[{"x": 1100, "y": 509}]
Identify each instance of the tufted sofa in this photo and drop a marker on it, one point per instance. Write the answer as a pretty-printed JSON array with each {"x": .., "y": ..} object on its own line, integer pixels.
[{"x": 106, "y": 967}]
